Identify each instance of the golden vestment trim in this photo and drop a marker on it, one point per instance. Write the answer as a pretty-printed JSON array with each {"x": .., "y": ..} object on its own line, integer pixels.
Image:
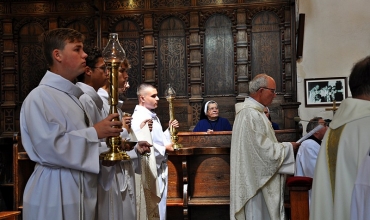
[{"x": 331, "y": 152}]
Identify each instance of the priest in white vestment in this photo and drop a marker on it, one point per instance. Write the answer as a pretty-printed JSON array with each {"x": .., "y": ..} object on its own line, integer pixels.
[
  {"x": 58, "y": 135},
  {"x": 258, "y": 162},
  {"x": 342, "y": 151}
]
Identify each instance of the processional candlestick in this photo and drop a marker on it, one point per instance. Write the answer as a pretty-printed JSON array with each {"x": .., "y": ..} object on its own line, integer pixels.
[
  {"x": 113, "y": 55},
  {"x": 170, "y": 96}
]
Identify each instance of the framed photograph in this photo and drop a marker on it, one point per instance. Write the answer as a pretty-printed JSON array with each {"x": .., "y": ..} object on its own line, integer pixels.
[{"x": 323, "y": 91}]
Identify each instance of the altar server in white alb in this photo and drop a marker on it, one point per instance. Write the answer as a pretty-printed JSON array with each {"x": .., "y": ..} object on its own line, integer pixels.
[
  {"x": 343, "y": 150},
  {"x": 58, "y": 135},
  {"x": 258, "y": 162},
  {"x": 118, "y": 201},
  {"x": 148, "y": 102},
  {"x": 309, "y": 149}
]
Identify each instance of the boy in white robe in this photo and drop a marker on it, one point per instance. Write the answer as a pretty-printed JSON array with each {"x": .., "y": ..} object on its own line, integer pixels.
[
  {"x": 58, "y": 135},
  {"x": 119, "y": 202},
  {"x": 148, "y": 102},
  {"x": 116, "y": 195},
  {"x": 309, "y": 149}
]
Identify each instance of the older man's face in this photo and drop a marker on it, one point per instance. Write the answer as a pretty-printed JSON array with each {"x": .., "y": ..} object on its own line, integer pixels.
[{"x": 268, "y": 93}]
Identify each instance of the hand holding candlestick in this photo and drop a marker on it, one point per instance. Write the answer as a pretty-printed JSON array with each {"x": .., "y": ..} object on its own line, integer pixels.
[
  {"x": 170, "y": 96},
  {"x": 113, "y": 55}
]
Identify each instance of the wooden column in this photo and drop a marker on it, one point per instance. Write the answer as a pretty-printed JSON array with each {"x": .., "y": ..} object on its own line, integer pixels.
[
  {"x": 9, "y": 81},
  {"x": 242, "y": 55},
  {"x": 288, "y": 58},
  {"x": 149, "y": 50},
  {"x": 195, "y": 66},
  {"x": 290, "y": 110}
]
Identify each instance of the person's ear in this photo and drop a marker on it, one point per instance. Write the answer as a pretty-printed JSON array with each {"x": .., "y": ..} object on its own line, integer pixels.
[
  {"x": 142, "y": 98},
  {"x": 57, "y": 55},
  {"x": 88, "y": 71}
]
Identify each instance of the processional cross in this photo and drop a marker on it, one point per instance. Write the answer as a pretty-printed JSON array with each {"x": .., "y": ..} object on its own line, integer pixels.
[{"x": 334, "y": 108}]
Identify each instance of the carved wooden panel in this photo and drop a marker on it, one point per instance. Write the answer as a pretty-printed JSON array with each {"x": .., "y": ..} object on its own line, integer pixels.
[
  {"x": 172, "y": 57},
  {"x": 83, "y": 25},
  {"x": 266, "y": 47},
  {"x": 219, "y": 56},
  {"x": 32, "y": 62},
  {"x": 73, "y": 6},
  {"x": 124, "y": 4},
  {"x": 175, "y": 41},
  {"x": 129, "y": 36},
  {"x": 169, "y": 3},
  {"x": 215, "y": 2}
]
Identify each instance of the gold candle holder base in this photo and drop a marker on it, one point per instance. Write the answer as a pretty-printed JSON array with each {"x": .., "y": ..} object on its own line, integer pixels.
[
  {"x": 114, "y": 152},
  {"x": 176, "y": 146},
  {"x": 122, "y": 155}
]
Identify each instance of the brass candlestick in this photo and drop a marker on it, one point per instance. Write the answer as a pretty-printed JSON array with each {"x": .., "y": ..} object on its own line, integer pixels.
[
  {"x": 113, "y": 55},
  {"x": 170, "y": 96}
]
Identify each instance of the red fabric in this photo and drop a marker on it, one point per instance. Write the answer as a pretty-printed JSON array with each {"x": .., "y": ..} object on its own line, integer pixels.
[{"x": 299, "y": 181}]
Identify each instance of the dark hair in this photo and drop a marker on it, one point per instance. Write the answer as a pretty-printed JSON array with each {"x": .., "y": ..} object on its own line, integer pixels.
[
  {"x": 93, "y": 54},
  {"x": 312, "y": 124},
  {"x": 57, "y": 39},
  {"x": 125, "y": 65},
  {"x": 359, "y": 80}
]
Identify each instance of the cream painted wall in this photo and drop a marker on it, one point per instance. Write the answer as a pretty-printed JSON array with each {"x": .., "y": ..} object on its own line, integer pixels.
[{"x": 336, "y": 35}]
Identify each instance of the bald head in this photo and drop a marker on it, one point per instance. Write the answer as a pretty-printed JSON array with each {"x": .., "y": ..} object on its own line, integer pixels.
[{"x": 262, "y": 88}]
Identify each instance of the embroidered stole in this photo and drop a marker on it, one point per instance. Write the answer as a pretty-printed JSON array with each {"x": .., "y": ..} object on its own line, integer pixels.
[{"x": 331, "y": 152}]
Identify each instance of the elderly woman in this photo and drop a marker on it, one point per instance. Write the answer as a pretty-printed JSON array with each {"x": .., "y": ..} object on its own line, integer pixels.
[{"x": 209, "y": 119}]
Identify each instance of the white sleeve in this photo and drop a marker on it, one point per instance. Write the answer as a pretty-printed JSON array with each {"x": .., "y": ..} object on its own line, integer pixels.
[{"x": 288, "y": 164}]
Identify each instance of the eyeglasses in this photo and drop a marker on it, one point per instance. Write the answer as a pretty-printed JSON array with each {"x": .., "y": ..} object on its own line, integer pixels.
[
  {"x": 272, "y": 90},
  {"x": 104, "y": 68}
]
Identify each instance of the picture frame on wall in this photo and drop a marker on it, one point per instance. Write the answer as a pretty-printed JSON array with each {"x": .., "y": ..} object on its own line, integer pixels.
[{"x": 323, "y": 91}]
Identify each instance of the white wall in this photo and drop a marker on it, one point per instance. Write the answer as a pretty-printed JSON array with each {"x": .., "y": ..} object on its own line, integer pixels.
[{"x": 336, "y": 35}]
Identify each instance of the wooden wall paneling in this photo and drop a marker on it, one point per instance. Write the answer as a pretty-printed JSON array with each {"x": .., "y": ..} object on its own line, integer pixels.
[
  {"x": 171, "y": 64},
  {"x": 91, "y": 17},
  {"x": 33, "y": 65},
  {"x": 149, "y": 50},
  {"x": 171, "y": 56},
  {"x": 218, "y": 56},
  {"x": 242, "y": 56},
  {"x": 9, "y": 80},
  {"x": 266, "y": 46},
  {"x": 195, "y": 68},
  {"x": 85, "y": 25},
  {"x": 129, "y": 29}
]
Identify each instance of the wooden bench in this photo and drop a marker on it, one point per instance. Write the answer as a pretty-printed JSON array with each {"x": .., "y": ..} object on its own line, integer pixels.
[{"x": 9, "y": 215}]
